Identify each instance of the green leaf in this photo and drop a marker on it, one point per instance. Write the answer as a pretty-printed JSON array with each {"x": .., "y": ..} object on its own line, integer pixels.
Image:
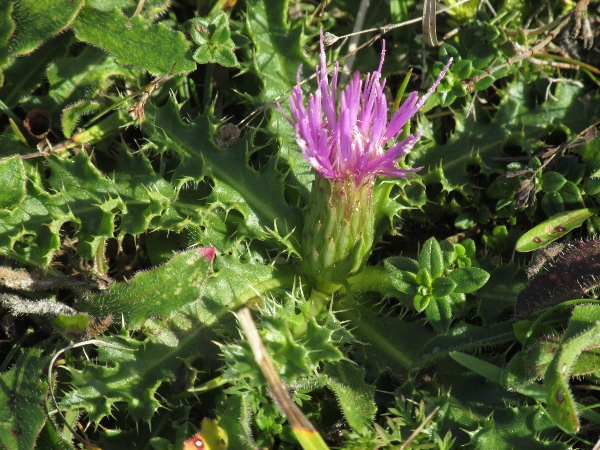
[
  {"x": 157, "y": 293},
  {"x": 552, "y": 181},
  {"x": 12, "y": 180},
  {"x": 257, "y": 194},
  {"x": 214, "y": 38},
  {"x": 22, "y": 396},
  {"x": 448, "y": 253},
  {"x": 468, "y": 279},
  {"x": 401, "y": 263},
  {"x": 134, "y": 41},
  {"x": 431, "y": 258},
  {"x": 421, "y": 302},
  {"x": 442, "y": 286},
  {"x": 36, "y": 21},
  {"x": 552, "y": 229},
  {"x": 570, "y": 193},
  {"x": 583, "y": 331},
  {"x": 225, "y": 57},
  {"x": 404, "y": 281},
  {"x": 439, "y": 313},
  {"x": 424, "y": 278},
  {"x": 354, "y": 395},
  {"x": 465, "y": 337}
]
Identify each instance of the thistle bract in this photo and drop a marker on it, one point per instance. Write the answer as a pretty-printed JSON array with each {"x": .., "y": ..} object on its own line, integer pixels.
[{"x": 349, "y": 142}]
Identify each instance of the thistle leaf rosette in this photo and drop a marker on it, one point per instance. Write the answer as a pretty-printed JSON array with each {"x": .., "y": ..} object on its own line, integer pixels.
[{"x": 349, "y": 142}]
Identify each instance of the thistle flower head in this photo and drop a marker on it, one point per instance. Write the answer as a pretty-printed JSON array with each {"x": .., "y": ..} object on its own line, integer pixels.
[
  {"x": 349, "y": 142},
  {"x": 355, "y": 140}
]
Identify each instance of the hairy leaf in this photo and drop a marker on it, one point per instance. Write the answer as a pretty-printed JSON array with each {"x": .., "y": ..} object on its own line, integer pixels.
[
  {"x": 135, "y": 42},
  {"x": 156, "y": 293},
  {"x": 583, "y": 331},
  {"x": 36, "y": 21},
  {"x": 354, "y": 395},
  {"x": 22, "y": 395}
]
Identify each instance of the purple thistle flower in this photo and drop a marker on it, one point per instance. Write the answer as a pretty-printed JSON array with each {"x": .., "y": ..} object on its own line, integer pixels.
[{"x": 356, "y": 140}]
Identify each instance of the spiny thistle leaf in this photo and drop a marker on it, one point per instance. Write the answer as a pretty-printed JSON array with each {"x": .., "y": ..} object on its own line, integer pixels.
[
  {"x": 135, "y": 42},
  {"x": 296, "y": 343},
  {"x": 156, "y": 293},
  {"x": 520, "y": 424},
  {"x": 133, "y": 376},
  {"x": 84, "y": 196},
  {"x": 477, "y": 143},
  {"x": 354, "y": 395},
  {"x": 22, "y": 395},
  {"x": 275, "y": 61},
  {"x": 257, "y": 194}
]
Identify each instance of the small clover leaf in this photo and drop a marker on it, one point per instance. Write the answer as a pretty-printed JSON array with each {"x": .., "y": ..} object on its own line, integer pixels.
[
  {"x": 468, "y": 279},
  {"x": 213, "y": 36}
]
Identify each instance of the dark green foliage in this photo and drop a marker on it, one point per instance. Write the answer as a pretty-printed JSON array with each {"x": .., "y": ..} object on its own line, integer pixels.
[
  {"x": 164, "y": 144},
  {"x": 22, "y": 395}
]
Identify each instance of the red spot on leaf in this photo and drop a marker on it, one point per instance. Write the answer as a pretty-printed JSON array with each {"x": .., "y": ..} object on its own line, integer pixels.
[{"x": 208, "y": 253}]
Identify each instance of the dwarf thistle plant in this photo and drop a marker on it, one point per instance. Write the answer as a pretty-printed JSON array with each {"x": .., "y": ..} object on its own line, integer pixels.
[{"x": 346, "y": 137}]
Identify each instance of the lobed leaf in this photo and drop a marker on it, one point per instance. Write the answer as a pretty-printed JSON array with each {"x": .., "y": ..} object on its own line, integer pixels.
[{"x": 257, "y": 194}]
